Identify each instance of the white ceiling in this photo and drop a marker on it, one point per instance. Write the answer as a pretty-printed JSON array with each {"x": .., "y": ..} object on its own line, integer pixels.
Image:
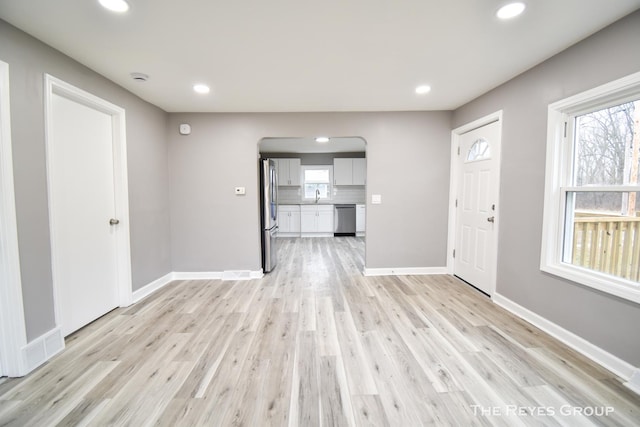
[{"x": 329, "y": 55}]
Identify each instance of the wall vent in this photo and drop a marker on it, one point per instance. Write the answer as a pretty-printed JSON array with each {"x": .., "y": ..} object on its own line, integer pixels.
[{"x": 139, "y": 77}]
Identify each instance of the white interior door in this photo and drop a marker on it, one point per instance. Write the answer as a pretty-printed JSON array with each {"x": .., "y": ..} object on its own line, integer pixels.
[
  {"x": 82, "y": 204},
  {"x": 477, "y": 207}
]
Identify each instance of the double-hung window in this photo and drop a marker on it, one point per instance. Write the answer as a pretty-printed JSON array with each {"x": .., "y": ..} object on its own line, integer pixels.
[
  {"x": 591, "y": 227},
  {"x": 317, "y": 182}
]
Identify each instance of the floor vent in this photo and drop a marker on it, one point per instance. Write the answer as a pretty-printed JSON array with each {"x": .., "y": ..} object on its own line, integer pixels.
[{"x": 236, "y": 275}]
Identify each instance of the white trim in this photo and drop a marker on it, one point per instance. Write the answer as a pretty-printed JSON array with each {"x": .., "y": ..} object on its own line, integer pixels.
[
  {"x": 219, "y": 275},
  {"x": 453, "y": 186},
  {"x": 150, "y": 288},
  {"x": 557, "y": 177},
  {"x": 56, "y": 86},
  {"x": 313, "y": 234},
  {"x": 404, "y": 271},
  {"x": 13, "y": 335},
  {"x": 634, "y": 382},
  {"x": 288, "y": 234},
  {"x": 613, "y": 363},
  {"x": 161, "y": 282},
  {"x": 241, "y": 274},
  {"x": 599, "y": 96},
  {"x": 41, "y": 349}
]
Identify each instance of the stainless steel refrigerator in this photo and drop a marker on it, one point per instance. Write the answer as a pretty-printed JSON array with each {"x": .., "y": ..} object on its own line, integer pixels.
[{"x": 269, "y": 213}]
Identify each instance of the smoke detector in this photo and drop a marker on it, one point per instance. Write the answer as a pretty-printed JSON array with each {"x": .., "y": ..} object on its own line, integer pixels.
[{"x": 139, "y": 77}]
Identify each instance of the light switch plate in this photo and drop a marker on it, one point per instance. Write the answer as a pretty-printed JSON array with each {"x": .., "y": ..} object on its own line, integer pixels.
[
  {"x": 185, "y": 129},
  {"x": 376, "y": 199}
]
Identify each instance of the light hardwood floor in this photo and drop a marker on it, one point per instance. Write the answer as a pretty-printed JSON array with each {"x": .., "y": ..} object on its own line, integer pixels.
[{"x": 316, "y": 343}]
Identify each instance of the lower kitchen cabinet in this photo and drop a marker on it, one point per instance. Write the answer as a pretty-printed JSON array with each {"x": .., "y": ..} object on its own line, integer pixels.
[
  {"x": 289, "y": 220},
  {"x": 316, "y": 220}
]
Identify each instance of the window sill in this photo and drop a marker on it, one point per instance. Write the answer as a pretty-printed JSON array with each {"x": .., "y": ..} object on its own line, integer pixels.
[{"x": 616, "y": 286}]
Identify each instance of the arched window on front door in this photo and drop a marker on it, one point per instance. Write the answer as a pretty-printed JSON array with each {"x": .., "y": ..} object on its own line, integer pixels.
[{"x": 479, "y": 150}]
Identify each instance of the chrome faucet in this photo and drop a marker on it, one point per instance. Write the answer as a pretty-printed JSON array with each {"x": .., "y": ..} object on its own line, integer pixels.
[{"x": 317, "y": 195}]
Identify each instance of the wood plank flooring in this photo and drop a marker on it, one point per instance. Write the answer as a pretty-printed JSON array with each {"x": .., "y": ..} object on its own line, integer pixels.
[{"x": 317, "y": 344}]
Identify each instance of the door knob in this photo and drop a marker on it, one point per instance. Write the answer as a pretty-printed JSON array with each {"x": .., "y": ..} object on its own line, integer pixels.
[
  {"x": 114, "y": 221},
  {"x": 491, "y": 219}
]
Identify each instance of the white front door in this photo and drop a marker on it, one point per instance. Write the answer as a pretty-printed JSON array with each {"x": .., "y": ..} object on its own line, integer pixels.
[
  {"x": 82, "y": 202},
  {"x": 477, "y": 206}
]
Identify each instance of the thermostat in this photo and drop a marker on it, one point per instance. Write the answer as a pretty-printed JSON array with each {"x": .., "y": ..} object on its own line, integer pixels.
[{"x": 185, "y": 129}]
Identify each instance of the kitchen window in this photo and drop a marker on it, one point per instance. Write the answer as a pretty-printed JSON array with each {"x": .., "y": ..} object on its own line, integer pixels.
[
  {"x": 591, "y": 226},
  {"x": 317, "y": 182}
]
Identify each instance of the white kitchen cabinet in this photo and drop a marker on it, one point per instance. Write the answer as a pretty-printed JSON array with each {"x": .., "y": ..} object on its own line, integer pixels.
[
  {"x": 289, "y": 220},
  {"x": 316, "y": 220},
  {"x": 325, "y": 219},
  {"x": 343, "y": 171},
  {"x": 288, "y": 172},
  {"x": 359, "y": 171},
  {"x": 360, "y": 219},
  {"x": 349, "y": 171}
]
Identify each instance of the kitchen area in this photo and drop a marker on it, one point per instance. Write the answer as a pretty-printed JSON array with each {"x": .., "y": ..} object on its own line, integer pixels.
[{"x": 321, "y": 186}]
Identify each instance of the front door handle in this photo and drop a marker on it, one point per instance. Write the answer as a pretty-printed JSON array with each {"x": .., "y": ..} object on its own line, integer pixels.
[{"x": 491, "y": 219}]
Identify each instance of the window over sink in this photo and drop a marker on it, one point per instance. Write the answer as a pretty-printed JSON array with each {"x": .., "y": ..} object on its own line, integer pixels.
[{"x": 316, "y": 182}]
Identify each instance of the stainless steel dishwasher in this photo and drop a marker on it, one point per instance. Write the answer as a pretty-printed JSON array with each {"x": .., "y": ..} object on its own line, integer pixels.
[{"x": 344, "y": 220}]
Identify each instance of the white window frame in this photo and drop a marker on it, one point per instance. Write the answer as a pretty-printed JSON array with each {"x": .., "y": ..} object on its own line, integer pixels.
[
  {"x": 558, "y": 183},
  {"x": 303, "y": 168}
]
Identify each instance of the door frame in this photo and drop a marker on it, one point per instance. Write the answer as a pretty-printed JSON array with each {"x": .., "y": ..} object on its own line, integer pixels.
[
  {"x": 56, "y": 86},
  {"x": 454, "y": 187},
  {"x": 13, "y": 334}
]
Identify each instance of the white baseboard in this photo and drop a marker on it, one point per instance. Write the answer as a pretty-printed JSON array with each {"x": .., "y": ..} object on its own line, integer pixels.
[
  {"x": 42, "y": 349},
  {"x": 219, "y": 275},
  {"x": 241, "y": 275},
  {"x": 616, "y": 365},
  {"x": 198, "y": 275},
  {"x": 150, "y": 288},
  {"x": 157, "y": 284},
  {"x": 634, "y": 382},
  {"x": 404, "y": 271}
]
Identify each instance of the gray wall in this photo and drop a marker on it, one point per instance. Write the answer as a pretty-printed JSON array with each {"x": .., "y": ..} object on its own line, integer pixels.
[
  {"x": 28, "y": 61},
  {"x": 407, "y": 163},
  {"x": 608, "y": 322}
]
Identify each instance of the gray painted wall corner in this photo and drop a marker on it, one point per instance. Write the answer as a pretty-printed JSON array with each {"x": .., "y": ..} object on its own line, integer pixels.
[
  {"x": 29, "y": 60},
  {"x": 601, "y": 319},
  {"x": 407, "y": 162}
]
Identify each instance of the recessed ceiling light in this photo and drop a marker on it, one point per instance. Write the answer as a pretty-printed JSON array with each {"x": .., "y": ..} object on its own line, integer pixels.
[
  {"x": 322, "y": 139},
  {"x": 421, "y": 90},
  {"x": 115, "y": 5},
  {"x": 201, "y": 88},
  {"x": 510, "y": 10}
]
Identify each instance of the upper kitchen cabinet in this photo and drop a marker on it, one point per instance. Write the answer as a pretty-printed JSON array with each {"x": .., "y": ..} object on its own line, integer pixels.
[
  {"x": 359, "y": 171},
  {"x": 349, "y": 171},
  {"x": 288, "y": 172}
]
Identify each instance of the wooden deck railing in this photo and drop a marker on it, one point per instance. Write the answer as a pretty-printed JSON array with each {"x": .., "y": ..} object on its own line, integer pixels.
[{"x": 609, "y": 244}]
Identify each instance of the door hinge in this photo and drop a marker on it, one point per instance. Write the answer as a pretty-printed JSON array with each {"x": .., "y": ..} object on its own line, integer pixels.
[
  {"x": 456, "y": 203},
  {"x": 454, "y": 253},
  {"x": 565, "y": 129},
  {"x": 458, "y": 150}
]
